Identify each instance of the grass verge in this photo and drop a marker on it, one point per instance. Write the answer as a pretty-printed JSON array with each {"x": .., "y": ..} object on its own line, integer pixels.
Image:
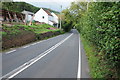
[{"x": 98, "y": 66}]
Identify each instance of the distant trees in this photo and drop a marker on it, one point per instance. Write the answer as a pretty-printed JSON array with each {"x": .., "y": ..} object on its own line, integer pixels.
[
  {"x": 72, "y": 15},
  {"x": 66, "y": 22}
]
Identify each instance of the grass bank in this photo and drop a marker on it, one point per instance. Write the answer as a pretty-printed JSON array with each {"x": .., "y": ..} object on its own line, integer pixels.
[
  {"x": 18, "y": 35},
  {"x": 98, "y": 66}
]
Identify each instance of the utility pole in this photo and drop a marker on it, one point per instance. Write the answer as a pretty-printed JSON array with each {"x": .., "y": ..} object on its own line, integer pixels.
[
  {"x": 87, "y": 4},
  {"x": 60, "y": 16}
]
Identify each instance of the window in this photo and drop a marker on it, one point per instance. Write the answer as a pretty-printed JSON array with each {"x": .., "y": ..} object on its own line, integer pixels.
[{"x": 43, "y": 17}]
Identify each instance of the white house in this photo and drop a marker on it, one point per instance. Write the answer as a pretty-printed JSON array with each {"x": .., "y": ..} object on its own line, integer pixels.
[
  {"x": 28, "y": 15},
  {"x": 55, "y": 19},
  {"x": 44, "y": 16}
]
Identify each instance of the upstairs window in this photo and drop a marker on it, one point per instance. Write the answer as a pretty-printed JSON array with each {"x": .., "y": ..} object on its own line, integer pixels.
[{"x": 43, "y": 17}]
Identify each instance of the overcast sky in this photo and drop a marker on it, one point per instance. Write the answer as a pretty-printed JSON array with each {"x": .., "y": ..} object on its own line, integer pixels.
[{"x": 52, "y": 4}]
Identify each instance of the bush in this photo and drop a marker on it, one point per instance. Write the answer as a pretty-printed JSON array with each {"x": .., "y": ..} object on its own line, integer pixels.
[{"x": 100, "y": 25}]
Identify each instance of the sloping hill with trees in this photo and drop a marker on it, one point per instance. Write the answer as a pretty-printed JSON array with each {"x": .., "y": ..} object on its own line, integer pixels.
[{"x": 20, "y": 6}]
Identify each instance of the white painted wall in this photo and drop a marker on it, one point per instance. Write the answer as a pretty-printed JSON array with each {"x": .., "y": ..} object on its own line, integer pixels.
[
  {"x": 55, "y": 17},
  {"x": 29, "y": 17},
  {"x": 50, "y": 23},
  {"x": 50, "y": 18},
  {"x": 47, "y": 19},
  {"x": 1, "y": 18},
  {"x": 39, "y": 16}
]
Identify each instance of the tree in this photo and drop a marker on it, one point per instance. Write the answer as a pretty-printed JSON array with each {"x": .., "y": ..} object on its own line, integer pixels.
[
  {"x": 73, "y": 14},
  {"x": 67, "y": 22}
]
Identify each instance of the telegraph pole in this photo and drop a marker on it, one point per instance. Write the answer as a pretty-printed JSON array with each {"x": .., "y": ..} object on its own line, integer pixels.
[
  {"x": 87, "y": 4},
  {"x": 60, "y": 16}
]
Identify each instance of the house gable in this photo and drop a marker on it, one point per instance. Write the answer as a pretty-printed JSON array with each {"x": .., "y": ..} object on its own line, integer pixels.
[
  {"x": 48, "y": 12},
  {"x": 41, "y": 16}
]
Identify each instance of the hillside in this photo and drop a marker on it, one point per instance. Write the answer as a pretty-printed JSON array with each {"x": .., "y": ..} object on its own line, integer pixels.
[
  {"x": 18, "y": 35},
  {"x": 20, "y": 6}
]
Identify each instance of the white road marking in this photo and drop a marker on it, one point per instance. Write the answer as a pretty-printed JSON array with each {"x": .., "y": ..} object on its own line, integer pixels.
[
  {"x": 79, "y": 62},
  {"x": 26, "y": 46},
  {"x": 46, "y": 40},
  {"x": 38, "y": 42},
  {"x": 10, "y": 52},
  {"x": 32, "y": 61},
  {"x": 34, "y": 44}
]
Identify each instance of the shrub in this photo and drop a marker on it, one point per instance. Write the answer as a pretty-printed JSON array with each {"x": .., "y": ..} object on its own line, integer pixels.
[{"x": 100, "y": 25}]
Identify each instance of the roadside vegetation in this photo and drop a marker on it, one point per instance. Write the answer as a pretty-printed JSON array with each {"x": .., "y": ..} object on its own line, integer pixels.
[
  {"x": 18, "y": 35},
  {"x": 98, "y": 24}
]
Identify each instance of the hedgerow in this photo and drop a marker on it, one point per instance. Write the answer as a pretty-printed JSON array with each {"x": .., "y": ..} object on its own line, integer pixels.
[{"x": 100, "y": 25}]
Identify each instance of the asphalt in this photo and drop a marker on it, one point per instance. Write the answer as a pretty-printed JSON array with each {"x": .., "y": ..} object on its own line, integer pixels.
[
  {"x": 62, "y": 62},
  {"x": 84, "y": 64}
]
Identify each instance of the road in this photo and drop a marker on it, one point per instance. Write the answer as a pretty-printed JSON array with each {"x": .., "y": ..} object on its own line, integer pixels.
[{"x": 59, "y": 57}]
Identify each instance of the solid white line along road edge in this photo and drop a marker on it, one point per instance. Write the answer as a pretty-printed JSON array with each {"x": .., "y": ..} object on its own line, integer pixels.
[
  {"x": 46, "y": 40},
  {"x": 79, "y": 62},
  {"x": 10, "y": 51},
  {"x": 26, "y": 46},
  {"x": 32, "y": 61},
  {"x": 34, "y": 44}
]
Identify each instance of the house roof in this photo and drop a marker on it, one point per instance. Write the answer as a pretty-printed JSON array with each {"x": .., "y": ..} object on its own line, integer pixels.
[
  {"x": 48, "y": 12},
  {"x": 27, "y": 12},
  {"x": 53, "y": 22},
  {"x": 54, "y": 14}
]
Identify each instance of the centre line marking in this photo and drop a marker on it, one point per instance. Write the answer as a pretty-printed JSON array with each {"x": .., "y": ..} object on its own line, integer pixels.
[
  {"x": 26, "y": 46},
  {"x": 32, "y": 61},
  {"x": 10, "y": 52}
]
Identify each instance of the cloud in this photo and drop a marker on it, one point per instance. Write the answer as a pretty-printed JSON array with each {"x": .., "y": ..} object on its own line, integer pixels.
[
  {"x": 45, "y": 0},
  {"x": 53, "y": 4}
]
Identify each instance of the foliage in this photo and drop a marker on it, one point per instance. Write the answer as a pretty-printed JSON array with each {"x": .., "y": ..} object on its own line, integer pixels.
[
  {"x": 72, "y": 15},
  {"x": 39, "y": 28},
  {"x": 17, "y": 29},
  {"x": 66, "y": 22},
  {"x": 98, "y": 67},
  {"x": 99, "y": 24}
]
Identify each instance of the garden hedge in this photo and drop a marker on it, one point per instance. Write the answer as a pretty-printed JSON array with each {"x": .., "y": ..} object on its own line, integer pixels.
[{"x": 101, "y": 26}]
